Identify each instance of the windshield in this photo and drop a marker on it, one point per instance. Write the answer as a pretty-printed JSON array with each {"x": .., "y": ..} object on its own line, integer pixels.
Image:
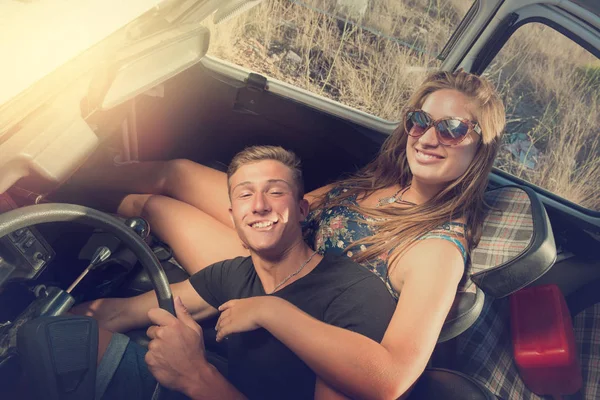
[
  {"x": 48, "y": 46},
  {"x": 38, "y": 37},
  {"x": 369, "y": 55}
]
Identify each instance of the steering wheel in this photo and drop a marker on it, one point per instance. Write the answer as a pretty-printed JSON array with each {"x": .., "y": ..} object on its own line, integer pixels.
[{"x": 46, "y": 213}]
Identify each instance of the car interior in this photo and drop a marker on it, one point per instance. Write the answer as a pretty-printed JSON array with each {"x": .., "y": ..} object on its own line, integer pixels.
[{"x": 539, "y": 251}]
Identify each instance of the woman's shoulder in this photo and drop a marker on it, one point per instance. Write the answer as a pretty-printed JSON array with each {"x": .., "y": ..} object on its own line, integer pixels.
[
  {"x": 453, "y": 232},
  {"x": 456, "y": 227},
  {"x": 316, "y": 195},
  {"x": 329, "y": 191},
  {"x": 334, "y": 191}
]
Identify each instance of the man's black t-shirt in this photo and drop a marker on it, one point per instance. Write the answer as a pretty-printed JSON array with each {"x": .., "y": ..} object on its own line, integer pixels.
[{"x": 337, "y": 291}]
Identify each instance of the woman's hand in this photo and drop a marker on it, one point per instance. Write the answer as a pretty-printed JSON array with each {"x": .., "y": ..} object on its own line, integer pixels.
[{"x": 244, "y": 315}]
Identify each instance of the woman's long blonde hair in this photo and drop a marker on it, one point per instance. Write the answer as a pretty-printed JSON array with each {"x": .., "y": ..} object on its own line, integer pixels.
[{"x": 397, "y": 228}]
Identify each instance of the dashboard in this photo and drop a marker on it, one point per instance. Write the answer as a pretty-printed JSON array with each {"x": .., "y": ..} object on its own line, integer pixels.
[{"x": 24, "y": 253}]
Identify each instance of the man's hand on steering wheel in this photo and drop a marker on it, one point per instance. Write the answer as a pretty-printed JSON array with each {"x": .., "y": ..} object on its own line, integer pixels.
[{"x": 175, "y": 355}]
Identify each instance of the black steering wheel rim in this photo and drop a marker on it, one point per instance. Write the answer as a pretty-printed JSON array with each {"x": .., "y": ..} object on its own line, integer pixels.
[{"x": 57, "y": 212}]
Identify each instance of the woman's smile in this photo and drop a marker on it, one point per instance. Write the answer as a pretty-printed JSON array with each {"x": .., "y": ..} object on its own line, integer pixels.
[{"x": 427, "y": 157}]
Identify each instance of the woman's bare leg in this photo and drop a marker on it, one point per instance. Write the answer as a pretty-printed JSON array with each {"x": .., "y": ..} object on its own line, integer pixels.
[
  {"x": 192, "y": 183},
  {"x": 197, "y": 239},
  {"x": 194, "y": 218},
  {"x": 200, "y": 186}
]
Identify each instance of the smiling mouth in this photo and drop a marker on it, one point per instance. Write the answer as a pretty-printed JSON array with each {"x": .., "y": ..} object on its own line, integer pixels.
[
  {"x": 429, "y": 155},
  {"x": 262, "y": 224}
]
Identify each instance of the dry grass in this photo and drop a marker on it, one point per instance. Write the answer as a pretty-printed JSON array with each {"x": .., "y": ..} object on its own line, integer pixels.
[
  {"x": 557, "y": 107},
  {"x": 358, "y": 67},
  {"x": 551, "y": 95}
]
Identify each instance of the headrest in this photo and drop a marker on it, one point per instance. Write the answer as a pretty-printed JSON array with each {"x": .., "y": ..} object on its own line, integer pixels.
[{"x": 516, "y": 246}]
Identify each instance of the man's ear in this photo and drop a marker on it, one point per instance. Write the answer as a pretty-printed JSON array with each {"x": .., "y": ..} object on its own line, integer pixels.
[{"x": 304, "y": 208}]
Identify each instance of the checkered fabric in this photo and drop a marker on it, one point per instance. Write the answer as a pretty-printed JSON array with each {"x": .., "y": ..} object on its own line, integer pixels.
[
  {"x": 507, "y": 232},
  {"x": 587, "y": 335},
  {"x": 484, "y": 352}
]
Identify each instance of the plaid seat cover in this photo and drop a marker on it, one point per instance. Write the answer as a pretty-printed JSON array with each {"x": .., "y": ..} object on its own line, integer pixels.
[
  {"x": 507, "y": 232},
  {"x": 484, "y": 351}
]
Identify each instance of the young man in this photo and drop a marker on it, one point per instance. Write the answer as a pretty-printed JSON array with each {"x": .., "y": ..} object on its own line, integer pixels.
[{"x": 267, "y": 209}]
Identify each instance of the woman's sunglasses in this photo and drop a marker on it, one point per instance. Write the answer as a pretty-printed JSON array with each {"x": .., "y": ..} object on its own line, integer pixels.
[{"x": 450, "y": 131}]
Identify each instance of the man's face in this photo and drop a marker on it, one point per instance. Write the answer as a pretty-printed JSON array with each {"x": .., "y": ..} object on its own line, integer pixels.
[{"x": 265, "y": 208}]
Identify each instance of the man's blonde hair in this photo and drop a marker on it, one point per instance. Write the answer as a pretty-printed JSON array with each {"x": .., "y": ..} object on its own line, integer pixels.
[{"x": 255, "y": 154}]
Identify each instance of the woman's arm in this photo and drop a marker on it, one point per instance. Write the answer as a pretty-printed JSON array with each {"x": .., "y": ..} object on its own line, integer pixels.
[
  {"x": 325, "y": 392},
  {"x": 357, "y": 365}
]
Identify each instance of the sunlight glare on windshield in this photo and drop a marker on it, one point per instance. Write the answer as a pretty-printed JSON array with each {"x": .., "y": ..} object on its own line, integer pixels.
[{"x": 38, "y": 37}]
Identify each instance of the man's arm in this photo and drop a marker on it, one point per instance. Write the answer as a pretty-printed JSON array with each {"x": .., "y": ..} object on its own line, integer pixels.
[
  {"x": 122, "y": 315},
  {"x": 211, "y": 385}
]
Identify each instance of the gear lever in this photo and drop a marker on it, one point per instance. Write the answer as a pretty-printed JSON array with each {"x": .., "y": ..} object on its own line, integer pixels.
[
  {"x": 101, "y": 254},
  {"x": 140, "y": 226}
]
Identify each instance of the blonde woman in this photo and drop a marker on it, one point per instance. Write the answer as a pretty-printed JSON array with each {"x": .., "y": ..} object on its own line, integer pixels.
[{"x": 410, "y": 217}]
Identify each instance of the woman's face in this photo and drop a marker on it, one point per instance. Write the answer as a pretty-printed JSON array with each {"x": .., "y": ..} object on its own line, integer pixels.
[{"x": 430, "y": 162}]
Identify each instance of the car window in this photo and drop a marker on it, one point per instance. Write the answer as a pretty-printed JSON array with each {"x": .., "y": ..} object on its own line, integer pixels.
[
  {"x": 369, "y": 55},
  {"x": 551, "y": 89}
]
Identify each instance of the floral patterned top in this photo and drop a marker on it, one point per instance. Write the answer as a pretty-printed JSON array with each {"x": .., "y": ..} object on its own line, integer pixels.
[{"x": 332, "y": 229}]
